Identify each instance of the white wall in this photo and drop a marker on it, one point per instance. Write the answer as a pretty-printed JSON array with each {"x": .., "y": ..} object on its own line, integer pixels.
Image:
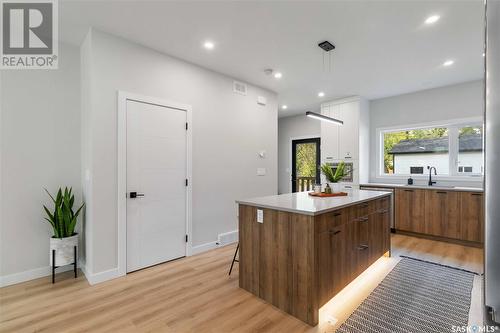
[
  {"x": 298, "y": 127},
  {"x": 463, "y": 100},
  {"x": 40, "y": 137},
  {"x": 228, "y": 132}
]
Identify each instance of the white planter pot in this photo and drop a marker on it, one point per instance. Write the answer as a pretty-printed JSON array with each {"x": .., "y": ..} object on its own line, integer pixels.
[
  {"x": 65, "y": 250},
  {"x": 336, "y": 187}
]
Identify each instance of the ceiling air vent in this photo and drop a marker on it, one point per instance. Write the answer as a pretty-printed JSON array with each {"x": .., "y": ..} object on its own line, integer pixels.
[{"x": 239, "y": 88}]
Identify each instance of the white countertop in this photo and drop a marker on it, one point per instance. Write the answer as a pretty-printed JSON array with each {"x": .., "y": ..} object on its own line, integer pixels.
[
  {"x": 303, "y": 203},
  {"x": 426, "y": 187}
]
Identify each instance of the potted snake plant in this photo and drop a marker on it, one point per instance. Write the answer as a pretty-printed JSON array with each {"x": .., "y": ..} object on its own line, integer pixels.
[
  {"x": 63, "y": 220},
  {"x": 334, "y": 177}
]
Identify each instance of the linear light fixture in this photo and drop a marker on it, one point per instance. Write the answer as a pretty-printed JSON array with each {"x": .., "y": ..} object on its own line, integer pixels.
[{"x": 324, "y": 118}]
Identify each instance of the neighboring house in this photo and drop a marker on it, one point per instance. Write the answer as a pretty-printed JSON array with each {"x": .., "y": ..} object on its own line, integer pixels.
[{"x": 434, "y": 152}]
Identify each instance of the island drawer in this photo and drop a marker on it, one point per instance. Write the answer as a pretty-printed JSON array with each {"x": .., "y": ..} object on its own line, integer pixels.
[
  {"x": 382, "y": 204},
  {"x": 332, "y": 220},
  {"x": 362, "y": 210}
]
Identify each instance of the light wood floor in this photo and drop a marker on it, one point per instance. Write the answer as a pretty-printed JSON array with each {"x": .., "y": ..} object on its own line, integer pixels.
[{"x": 193, "y": 295}]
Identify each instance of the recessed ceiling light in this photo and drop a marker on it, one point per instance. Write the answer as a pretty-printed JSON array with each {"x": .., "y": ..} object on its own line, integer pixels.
[
  {"x": 284, "y": 107},
  {"x": 321, "y": 94},
  {"x": 432, "y": 19},
  {"x": 209, "y": 45},
  {"x": 448, "y": 63},
  {"x": 278, "y": 75}
]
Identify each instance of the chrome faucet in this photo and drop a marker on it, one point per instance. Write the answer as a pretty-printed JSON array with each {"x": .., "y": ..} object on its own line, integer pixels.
[{"x": 430, "y": 174}]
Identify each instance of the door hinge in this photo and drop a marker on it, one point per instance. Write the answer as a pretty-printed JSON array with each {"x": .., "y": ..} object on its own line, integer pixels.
[
  {"x": 186, "y": 238},
  {"x": 187, "y": 183},
  {"x": 186, "y": 126}
]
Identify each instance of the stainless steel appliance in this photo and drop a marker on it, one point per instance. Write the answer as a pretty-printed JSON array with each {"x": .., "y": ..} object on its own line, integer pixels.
[
  {"x": 385, "y": 189},
  {"x": 492, "y": 164}
]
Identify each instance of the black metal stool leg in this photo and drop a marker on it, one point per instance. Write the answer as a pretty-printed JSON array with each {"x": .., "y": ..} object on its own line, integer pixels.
[
  {"x": 234, "y": 259},
  {"x": 74, "y": 264},
  {"x": 53, "y": 266}
]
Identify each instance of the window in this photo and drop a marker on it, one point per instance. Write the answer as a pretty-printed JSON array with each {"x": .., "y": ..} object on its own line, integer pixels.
[
  {"x": 453, "y": 149},
  {"x": 470, "y": 150}
]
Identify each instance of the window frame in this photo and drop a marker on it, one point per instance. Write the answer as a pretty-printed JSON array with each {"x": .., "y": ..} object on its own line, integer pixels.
[{"x": 453, "y": 127}]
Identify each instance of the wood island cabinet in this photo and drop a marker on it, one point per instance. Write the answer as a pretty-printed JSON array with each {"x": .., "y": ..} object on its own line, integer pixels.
[{"x": 299, "y": 262}]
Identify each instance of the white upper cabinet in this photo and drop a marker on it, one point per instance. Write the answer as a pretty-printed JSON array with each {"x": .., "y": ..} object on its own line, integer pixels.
[
  {"x": 349, "y": 132},
  {"x": 348, "y": 142},
  {"x": 329, "y": 134}
]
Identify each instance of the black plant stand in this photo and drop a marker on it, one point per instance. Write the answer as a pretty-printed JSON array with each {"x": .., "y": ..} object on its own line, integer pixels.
[
  {"x": 234, "y": 259},
  {"x": 54, "y": 264}
]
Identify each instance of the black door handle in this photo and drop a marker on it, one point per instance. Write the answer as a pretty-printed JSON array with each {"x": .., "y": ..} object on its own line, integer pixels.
[{"x": 134, "y": 195}]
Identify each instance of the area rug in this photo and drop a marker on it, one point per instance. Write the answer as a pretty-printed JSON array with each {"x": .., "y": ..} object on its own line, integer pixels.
[{"x": 416, "y": 296}]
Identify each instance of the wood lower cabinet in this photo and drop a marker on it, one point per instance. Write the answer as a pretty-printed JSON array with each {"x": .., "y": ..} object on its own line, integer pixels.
[
  {"x": 334, "y": 260},
  {"x": 379, "y": 231},
  {"x": 299, "y": 262},
  {"x": 472, "y": 216},
  {"x": 439, "y": 213},
  {"x": 410, "y": 210},
  {"x": 442, "y": 213},
  {"x": 358, "y": 243}
]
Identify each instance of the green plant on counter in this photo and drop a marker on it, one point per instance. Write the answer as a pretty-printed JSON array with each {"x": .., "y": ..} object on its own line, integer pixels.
[
  {"x": 333, "y": 177},
  {"x": 63, "y": 219}
]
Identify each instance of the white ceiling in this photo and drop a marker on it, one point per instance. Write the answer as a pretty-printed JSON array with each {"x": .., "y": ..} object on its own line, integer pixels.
[{"x": 383, "y": 47}]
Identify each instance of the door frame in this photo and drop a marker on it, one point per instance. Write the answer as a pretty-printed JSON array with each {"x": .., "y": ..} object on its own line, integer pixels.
[
  {"x": 123, "y": 97},
  {"x": 304, "y": 139}
]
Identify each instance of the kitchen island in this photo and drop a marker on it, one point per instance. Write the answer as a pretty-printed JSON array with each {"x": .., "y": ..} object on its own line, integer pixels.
[{"x": 298, "y": 251}]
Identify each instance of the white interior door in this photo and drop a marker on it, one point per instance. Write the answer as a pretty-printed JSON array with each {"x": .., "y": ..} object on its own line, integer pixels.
[{"x": 156, "y": 171}]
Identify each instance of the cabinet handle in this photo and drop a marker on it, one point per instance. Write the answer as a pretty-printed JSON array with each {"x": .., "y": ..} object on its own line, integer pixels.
[
  {"x": 383, "y": 211},
  {"x": 477, "y": 194},
  {"x": 347, "y": 157},
  {"x": 335, "y": 232},
  {"x": 364, "y": 205},
  {"x": 363, "y": 219},
  {"x": 337, "y": 214},
  {"x": 408, "y": 190},
  {"x": 441, "y": 192},
  {"x": 362, "y": 247}
]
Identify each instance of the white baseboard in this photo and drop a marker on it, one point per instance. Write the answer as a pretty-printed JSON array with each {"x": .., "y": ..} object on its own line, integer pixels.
[
  {"x": 32, "y": 274},
  {"x": 222, "y": 240},
  {"x": 203, "y": 248},
  {"x": 227, "y": 238},
  {"x": 102, "y": 276}
]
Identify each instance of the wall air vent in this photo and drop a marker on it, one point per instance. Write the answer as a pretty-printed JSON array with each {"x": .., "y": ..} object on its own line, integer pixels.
[{"x": 239, "y": 88}]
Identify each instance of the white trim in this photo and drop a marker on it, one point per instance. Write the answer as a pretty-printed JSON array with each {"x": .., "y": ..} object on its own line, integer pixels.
[
  {"x": 290, "y": 159},
  {"x": 32, "y": 274},
  {"x": 203, "y": 248},
  {"x": 450, "y": 123},
  {"x": 232, "y": 235},
  {"x": 103, "y": 276},
  {"x": 122, "y": 178}
]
